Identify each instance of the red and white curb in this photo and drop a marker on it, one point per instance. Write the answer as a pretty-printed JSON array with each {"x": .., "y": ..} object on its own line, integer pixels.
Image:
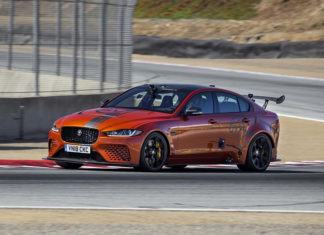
[{"x": 51, "y": 164}]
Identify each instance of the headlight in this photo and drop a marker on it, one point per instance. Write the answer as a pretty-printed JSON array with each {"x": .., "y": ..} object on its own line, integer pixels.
[
  {"x": 55, "y": 128},
  {"x": 123, "y": 133}
]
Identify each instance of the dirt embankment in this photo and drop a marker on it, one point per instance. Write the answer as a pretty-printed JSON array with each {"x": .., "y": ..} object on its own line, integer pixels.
[{"x": 276, "y": 20}]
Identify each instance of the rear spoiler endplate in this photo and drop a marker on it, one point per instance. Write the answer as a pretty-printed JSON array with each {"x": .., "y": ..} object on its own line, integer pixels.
[{"x": 266, "y": 99}]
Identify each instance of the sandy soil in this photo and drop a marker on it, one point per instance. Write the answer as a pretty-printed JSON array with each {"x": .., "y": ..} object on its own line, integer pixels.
[
  {"x": 24, "y": 150},
  {"x": 300, "y": 140},
  {"x": 9, "y": 216},
  {"x": 156, "y": 222},
  {"x": 296, "y": 143}
]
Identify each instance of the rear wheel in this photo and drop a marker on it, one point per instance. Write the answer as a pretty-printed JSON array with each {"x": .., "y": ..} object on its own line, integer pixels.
[
  {"x": 259, "y": 154},
  {"x": 67, "y": 165},
  {"x": 154, "y": 152}
]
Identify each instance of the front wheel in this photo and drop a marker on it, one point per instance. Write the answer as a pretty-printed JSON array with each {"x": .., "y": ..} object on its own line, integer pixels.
[
  {"x": 154, "y": 152},
  {"x": 67, "y": 165},
  {"x": 259, "y": 154}
]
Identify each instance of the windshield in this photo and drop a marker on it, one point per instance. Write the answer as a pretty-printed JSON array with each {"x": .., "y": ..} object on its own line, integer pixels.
[{"x": 154, "y": 98}]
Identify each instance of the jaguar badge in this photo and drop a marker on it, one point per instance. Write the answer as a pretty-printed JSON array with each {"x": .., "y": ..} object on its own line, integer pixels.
[{"x": 79, "y": 132}]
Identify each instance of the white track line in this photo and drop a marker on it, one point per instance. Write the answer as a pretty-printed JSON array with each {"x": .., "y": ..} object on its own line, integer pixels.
[{"x": 158, "y": 209}]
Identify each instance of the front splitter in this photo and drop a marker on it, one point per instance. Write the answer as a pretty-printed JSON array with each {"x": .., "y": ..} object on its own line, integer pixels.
[{"x": 79, "y": 161}]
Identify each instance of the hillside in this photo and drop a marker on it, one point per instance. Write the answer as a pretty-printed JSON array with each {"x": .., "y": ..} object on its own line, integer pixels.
[
  {"x": 243, "y": 21},
  {"x": 187, "y": 9},
  {"x": 265, "y": 20}
]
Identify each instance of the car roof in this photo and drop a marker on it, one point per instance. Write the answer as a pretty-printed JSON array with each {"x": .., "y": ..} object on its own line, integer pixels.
[
  {"x": 188, "y": 88},
  {"x": 182, "y": 87}
]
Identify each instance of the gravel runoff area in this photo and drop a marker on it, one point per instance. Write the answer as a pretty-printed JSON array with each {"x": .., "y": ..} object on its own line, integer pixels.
[{"x": 30, "y": 221}]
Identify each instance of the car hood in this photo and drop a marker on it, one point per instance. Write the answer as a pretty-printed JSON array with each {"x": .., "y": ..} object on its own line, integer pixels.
[{"x": 110, "y": 118}]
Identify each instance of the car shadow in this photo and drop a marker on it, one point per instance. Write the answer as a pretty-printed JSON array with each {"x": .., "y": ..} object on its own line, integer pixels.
[{"x": 205, "y": 170}]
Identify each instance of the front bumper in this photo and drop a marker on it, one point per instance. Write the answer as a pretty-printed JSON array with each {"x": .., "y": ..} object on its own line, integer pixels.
[{"x": 121, "y": 151}]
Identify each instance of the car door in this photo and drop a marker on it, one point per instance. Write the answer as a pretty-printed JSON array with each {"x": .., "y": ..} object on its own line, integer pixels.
[
  {"x": 196, "y": 134},
  {"x": 234, "y": 115}
]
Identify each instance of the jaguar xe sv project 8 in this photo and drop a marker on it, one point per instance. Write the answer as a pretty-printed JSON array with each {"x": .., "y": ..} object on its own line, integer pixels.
[{"x": 172, "y": 125}]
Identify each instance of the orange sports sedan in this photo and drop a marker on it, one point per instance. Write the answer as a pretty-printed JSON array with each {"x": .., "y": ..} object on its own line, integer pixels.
[{"x": 172, "y": 125}]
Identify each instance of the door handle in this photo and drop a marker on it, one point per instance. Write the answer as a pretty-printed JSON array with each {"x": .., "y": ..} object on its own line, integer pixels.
[
  {"x": 212, "y": 121},
  {"x": 246, "y": 120}
]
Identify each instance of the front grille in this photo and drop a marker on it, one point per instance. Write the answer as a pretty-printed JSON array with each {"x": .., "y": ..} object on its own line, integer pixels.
[
  {"x": 116, "y": 152},
  {"x": 79, "y": 135}
]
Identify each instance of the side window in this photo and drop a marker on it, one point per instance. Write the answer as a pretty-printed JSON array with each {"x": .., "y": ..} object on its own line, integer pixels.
[
  {"x": 227, "y": 103},
  {"x": 202, "y": 100},
  {"x": 244, "y": 105}
]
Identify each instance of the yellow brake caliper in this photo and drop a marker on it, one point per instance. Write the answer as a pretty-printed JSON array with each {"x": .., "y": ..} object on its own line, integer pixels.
[{"x": 159, "y": 150}]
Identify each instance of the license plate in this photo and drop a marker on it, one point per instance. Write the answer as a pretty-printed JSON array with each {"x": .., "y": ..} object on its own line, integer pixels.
[{"x": 77, "y": 148}]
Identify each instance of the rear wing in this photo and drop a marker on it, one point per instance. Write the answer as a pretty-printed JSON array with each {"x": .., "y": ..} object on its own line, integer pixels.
[{"x": 266, "y": 99}]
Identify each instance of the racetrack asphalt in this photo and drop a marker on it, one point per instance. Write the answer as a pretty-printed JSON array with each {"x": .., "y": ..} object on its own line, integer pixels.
[{"x": 284, "y": 188}]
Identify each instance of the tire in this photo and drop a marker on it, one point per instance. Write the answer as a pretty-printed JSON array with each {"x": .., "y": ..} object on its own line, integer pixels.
[
  {"x": 153, "y": 153},
  {"x": 137, "y": 168},
  {"x": 67, "y": 165},
  {"x": 242, "y": 167},
  {"x": 177, "y": 167},
  {"x": 259, "y": 154}
]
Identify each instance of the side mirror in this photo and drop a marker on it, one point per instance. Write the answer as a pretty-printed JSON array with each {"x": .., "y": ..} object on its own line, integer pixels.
[
  {"x": 193, "y": 111},
  {"x": 104, "y": 102}
]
